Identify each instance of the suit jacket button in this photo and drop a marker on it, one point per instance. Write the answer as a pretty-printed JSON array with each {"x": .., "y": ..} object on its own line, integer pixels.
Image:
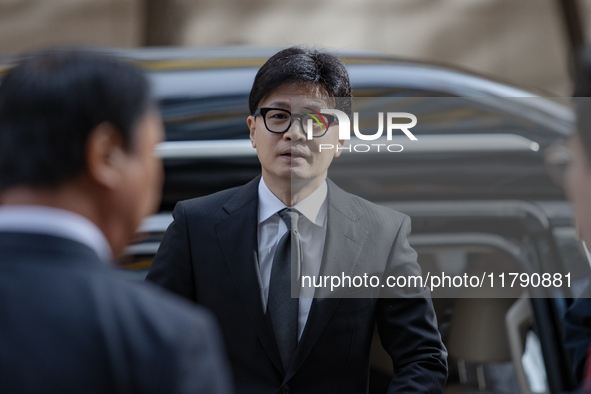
[{"x": 285, "y": 389}]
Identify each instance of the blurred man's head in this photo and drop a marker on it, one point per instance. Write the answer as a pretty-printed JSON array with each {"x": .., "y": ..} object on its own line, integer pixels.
[
  {"x": 578, "y": 181},
  {"x": 315, "y": 79},
  {"x": 78, "y": 131}
]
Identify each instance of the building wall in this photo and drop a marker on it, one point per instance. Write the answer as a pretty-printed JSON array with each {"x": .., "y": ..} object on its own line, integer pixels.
[
  {"x": 521, "y": 41},
  {"x": 27, "y": 25}
]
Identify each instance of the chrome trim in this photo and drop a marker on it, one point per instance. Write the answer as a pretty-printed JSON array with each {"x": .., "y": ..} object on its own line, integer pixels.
[
  {"x": 142, "y": 248},
  {"x": 425, "y": 144},
  {"x": 475, "y": 209},
  {"x": 205, "y": 149},
  {"x": 467, "y": 239},
  {"x": 456, "y": 143},
  {"x": 157, "y": 223},
  {"x": 431, "y": 209},
  {"x": 565, "y": 232}
]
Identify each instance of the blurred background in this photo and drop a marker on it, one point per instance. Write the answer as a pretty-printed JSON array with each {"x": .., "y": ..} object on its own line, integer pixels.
[{"x": 525, "y": 41}]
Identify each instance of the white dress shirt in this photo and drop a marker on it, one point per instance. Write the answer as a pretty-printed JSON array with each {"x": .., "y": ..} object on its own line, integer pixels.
[
  {"x": 312, "y": 229},
  {"x": 37, "y": 219}
]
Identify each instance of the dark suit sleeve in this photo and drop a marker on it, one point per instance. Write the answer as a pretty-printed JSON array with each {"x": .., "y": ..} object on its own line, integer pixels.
[
  {"x": 408, "y": 328},
  {"x": 172, "y": 267},
  {"x": 577, "y": 332}
]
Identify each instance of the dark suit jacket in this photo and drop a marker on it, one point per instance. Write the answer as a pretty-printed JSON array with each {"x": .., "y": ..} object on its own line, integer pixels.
[
  {"x": 208, "y": 255},
  {"x": 577, "y": 332},
  {"x": 70, "y": 324}
]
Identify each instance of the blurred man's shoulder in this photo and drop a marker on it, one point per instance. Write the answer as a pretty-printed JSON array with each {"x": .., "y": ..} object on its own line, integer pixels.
[{"x": 151, "y": 304}]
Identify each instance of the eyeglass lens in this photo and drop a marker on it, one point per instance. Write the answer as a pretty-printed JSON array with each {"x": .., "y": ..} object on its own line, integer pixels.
[{"x": 278, "y": 121}]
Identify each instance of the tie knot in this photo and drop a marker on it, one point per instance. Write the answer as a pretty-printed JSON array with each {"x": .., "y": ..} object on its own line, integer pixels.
[{"x": 290, "y": 217}]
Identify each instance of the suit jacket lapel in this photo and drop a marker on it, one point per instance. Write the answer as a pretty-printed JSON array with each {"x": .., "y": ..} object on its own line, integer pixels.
[
  {"x": 237, "y": 234},
  {"x": 344, "y": 241}
]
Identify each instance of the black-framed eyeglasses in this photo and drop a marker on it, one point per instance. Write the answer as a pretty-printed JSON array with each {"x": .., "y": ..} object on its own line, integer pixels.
[{"x": 278, "y": 120}]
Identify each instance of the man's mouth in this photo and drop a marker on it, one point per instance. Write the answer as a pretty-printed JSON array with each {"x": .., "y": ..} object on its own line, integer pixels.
[{"x": 293, "y": 155}]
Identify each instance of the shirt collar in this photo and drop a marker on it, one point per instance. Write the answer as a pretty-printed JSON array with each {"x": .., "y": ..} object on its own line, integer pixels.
[
  {"x": 57, "y": 222},
  {"x": 312, "y": 207}
]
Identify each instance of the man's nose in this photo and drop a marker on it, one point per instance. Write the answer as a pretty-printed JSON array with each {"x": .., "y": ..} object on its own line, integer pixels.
[{"x": 295, "y": 132}]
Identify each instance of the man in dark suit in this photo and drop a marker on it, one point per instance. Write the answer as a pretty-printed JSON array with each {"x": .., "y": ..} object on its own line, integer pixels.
[
  {"x": 577, "y": 333},
  {"x": 577, "y": 320},
  {"x": 77, "y": 175},
  {"x": 235, "y": 252}
]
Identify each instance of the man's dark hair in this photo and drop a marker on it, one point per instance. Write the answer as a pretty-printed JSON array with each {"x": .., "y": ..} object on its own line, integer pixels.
[
  {"x": 582, "y": 97},
  {"x": 302, "y": 66},
  {"x": 50, "y": 103}
]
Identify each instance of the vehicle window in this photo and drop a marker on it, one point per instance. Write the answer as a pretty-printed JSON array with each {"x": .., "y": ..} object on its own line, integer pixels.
[
  {"x": 224, "y": 117},
  {"x": 473, "y": 324},
  {"x": 210, "y": 118},
  {"x": 440, "y": 114},
  {"x": 397, "y": 92},
  {"x": 478, "y": 261},
  {"x": 472, "y": 320}
]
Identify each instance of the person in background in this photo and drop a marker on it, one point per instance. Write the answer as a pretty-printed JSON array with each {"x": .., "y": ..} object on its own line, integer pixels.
[
  {"x": 78, "y": 174},
  {"x": 577, "y": 320}
]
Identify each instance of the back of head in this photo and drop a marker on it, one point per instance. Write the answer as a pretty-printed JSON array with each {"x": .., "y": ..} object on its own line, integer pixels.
[
  {"x": 51, "y": 102},
  {"x": 304, "y": 66}
]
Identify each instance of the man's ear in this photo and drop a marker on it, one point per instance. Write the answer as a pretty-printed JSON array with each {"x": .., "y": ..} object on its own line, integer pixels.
[
  {"x": 341, "y": 144},
  {"x": 251, "y": 122},
  {"x": 105, "y": 155}
]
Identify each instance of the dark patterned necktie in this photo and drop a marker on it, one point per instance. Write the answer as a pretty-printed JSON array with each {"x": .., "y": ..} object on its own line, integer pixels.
[{"x": 281, "y": 307}]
